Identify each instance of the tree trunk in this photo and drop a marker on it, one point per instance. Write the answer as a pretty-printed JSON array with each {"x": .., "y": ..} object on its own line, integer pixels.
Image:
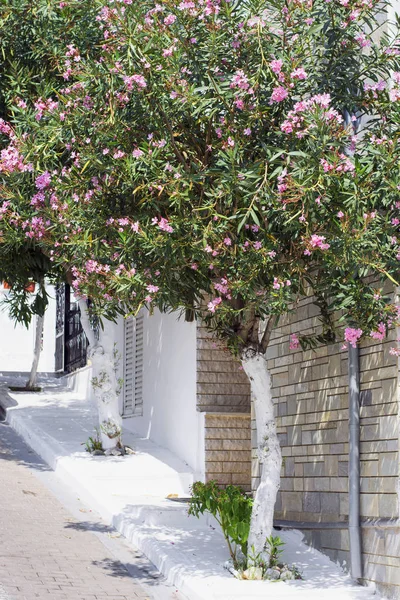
[
  {"x": 36, "y": 353},
  {"x": 104, "y": 357},
  {"x": 268, "y": 449}
]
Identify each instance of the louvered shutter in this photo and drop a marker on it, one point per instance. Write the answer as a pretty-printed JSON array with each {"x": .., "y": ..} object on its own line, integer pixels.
[{"x": 133, "y": 366}]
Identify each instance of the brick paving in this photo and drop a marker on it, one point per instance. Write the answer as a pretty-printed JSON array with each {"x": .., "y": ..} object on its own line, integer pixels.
[{"x": 45, "y": 553}]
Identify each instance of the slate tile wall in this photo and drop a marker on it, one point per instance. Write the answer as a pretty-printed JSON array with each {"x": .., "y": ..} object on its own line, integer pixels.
[{"x": 311, "y": 400}]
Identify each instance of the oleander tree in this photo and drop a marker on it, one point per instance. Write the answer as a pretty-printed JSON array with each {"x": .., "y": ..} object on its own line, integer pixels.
[
  {"x": 31, "y": 32},
  {"x": 222, "y": 158}
]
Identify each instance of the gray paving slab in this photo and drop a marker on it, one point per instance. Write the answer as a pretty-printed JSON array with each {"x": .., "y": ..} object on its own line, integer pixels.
[{"x": 53, "y": 547}]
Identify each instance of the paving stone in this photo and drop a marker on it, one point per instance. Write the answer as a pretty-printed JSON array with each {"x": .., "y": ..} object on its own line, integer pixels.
[{"x": 45, "y": 553}]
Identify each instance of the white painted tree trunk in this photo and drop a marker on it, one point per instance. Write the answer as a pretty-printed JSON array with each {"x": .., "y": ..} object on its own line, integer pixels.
[
  {"x": 103, "y": 355},
  {"x": 268, "y": 448},
  {"x": 36, "y": 353}
]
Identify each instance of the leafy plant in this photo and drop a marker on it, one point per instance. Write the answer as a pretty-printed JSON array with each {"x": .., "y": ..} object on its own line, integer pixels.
[
  {"x": 274, "y": 545},
  {"x": 231, "y": 507},
  {"x": 110, "y": 429},
  {"x": 94, "y": 443}
]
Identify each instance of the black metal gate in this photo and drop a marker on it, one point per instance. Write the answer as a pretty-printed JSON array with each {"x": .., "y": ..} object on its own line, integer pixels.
[{"x": 71, "y": 341}]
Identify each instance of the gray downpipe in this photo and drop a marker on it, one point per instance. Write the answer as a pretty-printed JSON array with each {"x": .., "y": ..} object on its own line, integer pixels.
[{"x": 354, "y": 463}]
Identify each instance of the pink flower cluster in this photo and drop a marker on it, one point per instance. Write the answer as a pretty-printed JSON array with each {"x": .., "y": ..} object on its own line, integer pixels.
[
  {"x": 214, "y": 304},
  {"x": 295, "y": 121},
  {"x": 43, "y": 106},
  {"x": 134, "y": 80},
  {"x": 5, "y": 128},
  {"x": 240, "y": 81},
  {"x": 43, "y": 181},
  {"x": 299, "y": 74},
  {"x": 163, "y": 224},
  {"x": 223, "y": 288},
  {"x": 294, "y": 342},
  {"x": 12, "y": 161},
  {"x": 380, "y": 333},
  {"x": 352, "y": 336},
  {"x": 37, "y": 228},
  {"x": 279, "y": 94},
  {"x": 278, "y": 284},
  {"x": 316, "y": 242}
]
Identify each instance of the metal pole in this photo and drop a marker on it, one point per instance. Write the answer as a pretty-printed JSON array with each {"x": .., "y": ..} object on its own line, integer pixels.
[{"x": 354, "y": 464}]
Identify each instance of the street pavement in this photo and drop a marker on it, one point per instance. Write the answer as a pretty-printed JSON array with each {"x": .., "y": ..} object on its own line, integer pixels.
[
  {"x": 50, "y": 552},
  {"x": 3, "y": 595}
]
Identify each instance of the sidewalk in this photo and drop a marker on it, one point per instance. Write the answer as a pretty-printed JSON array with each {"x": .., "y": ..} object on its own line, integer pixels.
[{"x": 130, "y": 493}]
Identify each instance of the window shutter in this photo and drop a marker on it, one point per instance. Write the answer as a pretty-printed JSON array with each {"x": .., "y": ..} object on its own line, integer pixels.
[
  {"x": 138, "y": 382},
  {"x": 133, "y": 366}
]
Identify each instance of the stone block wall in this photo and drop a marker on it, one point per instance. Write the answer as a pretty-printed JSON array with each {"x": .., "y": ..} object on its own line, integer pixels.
[
  {"x": 222, "y": 386},
  {"x": 223, "y": 393},
  {"x": 310, "y": 391},
  {"x": 228, "y": 449}
]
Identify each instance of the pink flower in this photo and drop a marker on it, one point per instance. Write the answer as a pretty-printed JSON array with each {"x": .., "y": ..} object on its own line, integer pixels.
[
  {"x": 318, "y": 241},
  {"x": 138, "y": 80},
  {"x": 214, "y": 304},
  {"x": 352, "y": 336},
  {"x": 137, "y": 153},
  {"x": 276, "y": 285},
  {"x": 340, "y": 214},
  {"x": 239, "y": 104},
  {"x": 298, "y": 74},
  {"x": 169, "y": 19},
  {"x": 228, "y": 241},
  {"x": 278, "y": 94},
  {"x": 380, "y": 333},
  {"x": 240, "y": 81},
  {"x": 152, "y": 288},
  {"x": 276, "y": 66},
  {"x": 294, "y": 342},
  {"x": 164, "y": 225},
  {"x": 43, "y": 181}
]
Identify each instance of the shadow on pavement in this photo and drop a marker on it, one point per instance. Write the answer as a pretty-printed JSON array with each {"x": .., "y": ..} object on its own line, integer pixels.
[{"x": 13, "y": 448}]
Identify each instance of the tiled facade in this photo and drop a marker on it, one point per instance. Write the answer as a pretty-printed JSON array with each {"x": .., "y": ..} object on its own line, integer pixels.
[
  {"x": 222, "y": 386},
  {"x": 223, "y": 393},
  {"x": 228, "y": 449},
  {"x": 310, "y": 391},
  {"x": 311, "y": 395}
]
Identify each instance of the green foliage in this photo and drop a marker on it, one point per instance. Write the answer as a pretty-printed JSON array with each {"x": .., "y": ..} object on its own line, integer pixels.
[
  {"x": 94, "y": 443},
  {"x": 274, "y": 546},
  {"x": 174, "y": 167},
  {"x": 230, "y": 506}
]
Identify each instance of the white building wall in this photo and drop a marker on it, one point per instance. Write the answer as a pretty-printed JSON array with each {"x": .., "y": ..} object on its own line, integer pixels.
[
  {"x": 170, "y": 417},
  {"x": 17, "y": 342}
]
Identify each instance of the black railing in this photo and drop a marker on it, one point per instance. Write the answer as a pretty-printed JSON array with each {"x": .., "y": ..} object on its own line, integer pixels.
[{"x": 71, "y": 341}]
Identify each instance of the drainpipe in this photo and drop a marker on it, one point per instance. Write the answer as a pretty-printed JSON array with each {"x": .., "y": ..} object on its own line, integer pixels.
[{"x": 354, "y": 463}]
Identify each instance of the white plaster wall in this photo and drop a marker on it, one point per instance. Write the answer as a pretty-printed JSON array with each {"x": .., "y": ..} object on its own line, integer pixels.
[
  {"x": 17, "y": 342},
  {"x": 170, "y": 417}
]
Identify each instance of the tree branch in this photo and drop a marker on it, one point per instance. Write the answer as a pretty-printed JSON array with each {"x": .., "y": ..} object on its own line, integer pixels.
[
  {"x": 247, "y": 326},
  {"x": 267, "y": 334}
]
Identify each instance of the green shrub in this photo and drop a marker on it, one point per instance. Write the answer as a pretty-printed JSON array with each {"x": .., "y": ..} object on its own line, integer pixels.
[
  {"x": 94, "y": 442},
  {"x": 274, "y": 545},
  {"x": 231, "y": 508}
]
